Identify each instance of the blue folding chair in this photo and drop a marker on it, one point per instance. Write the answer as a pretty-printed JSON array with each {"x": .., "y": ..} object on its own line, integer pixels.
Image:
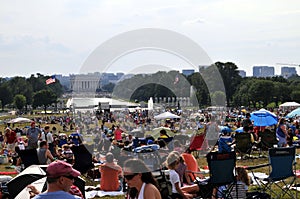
[
  {"x": 222, "y": 173},
  {"x": 282, "y": 172}
]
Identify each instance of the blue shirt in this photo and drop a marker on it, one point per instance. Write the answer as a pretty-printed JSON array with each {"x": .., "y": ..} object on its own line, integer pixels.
[{"x": 56, "y": 194}]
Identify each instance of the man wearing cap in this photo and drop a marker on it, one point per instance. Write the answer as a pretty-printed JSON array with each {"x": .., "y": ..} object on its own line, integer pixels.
[
  {"x": 60, "y": 178},
  {"x": 33, "y": 135}
]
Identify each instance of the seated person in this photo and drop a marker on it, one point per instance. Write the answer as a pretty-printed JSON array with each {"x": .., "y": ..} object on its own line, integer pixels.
[
  {"x": 243, "y": 181},
  {"x": 67, "y": 154},
  {"x": 110, "y": 174},
  {"x": 224, "y": 143},
  {"x": 44, "y": 154}
]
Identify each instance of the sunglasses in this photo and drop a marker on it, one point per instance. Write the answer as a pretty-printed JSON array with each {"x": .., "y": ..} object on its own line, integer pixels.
[{"x": 129, "y": 177}]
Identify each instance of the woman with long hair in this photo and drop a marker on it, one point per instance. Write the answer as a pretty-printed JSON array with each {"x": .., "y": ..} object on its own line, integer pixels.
[
  {"x": 282, "y": 133},
  {"x": 141, "y": 183}
]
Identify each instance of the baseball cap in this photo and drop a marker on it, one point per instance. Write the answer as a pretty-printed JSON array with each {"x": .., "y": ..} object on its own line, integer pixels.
[
  {"x": 32, "y": 123},
  {"x": 60, "y": 168}
]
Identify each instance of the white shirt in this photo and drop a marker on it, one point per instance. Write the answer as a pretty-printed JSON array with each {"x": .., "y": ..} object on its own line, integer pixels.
[{"x": 174, "y": 178}]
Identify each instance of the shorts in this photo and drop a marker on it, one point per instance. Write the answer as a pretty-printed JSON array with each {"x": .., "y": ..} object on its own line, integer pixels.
[{"x": 11, "y": 147}]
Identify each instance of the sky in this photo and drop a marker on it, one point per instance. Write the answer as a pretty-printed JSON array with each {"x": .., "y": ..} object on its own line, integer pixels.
[{"x": 58, "y": 37}]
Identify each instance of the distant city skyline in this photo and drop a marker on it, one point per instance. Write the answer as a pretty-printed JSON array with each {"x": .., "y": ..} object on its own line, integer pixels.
[{"x": 57, "y": 37}]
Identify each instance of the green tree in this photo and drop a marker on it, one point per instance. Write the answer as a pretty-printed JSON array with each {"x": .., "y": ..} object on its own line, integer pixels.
[
  {"x": 218, "y": 98},
  {"x": 19, "y": 85},
  {"x": 44, "y": 98},
  {"x": 5, "y": 95},
  {"x": 295, "y": 96},
  {"x": 109, "y": 87},
  {"x": 202, "y": 93},
  {"x": 260, "y": 91},
  {"x": 231, "y": 78},
  {"x": 20, "y": 101}
]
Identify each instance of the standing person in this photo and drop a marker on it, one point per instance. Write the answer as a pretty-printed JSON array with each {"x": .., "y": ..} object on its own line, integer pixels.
[
  {"x": 1, "y": 139},
  {"x": 10, "y": 140},
  {"x": 211, "y": 130},
  {"x": 282, "y": 133},
  {"x": 118, "y": 134},
  {"x": 60, "y": 179},
  {"x": 110, "y": 174},
  {"x": 44, "y": 154},
  {"x": 33, "y": 135},
  {"x": 140, "y": 180},
  {"x": 49, "y": 138}
]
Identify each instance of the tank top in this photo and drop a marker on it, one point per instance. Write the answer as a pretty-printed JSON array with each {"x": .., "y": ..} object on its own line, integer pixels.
[
  {"x": 41, "y": 152},
  {"x": 141, "y": 194}
]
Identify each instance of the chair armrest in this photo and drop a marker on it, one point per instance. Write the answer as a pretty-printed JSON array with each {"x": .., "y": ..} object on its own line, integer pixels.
[{"x": 196, "y": 172}]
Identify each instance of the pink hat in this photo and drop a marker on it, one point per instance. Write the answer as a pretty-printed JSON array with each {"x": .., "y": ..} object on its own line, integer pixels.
[{"x": 60, "y": 168}]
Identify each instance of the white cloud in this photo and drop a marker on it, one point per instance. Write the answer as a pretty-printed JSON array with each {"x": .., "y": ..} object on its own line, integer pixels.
[{"x": 47, "y": 33}]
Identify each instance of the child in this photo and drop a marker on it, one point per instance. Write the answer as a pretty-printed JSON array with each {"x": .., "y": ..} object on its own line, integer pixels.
[
  {"x": 243, "y": 181},
  {"x": 172, "y": 163}
]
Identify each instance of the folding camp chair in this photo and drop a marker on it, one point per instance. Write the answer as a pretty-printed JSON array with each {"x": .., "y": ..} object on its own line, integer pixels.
[
  {"x": 197, "y": 144},
  {"x": 28, "y": 157},
  {"x": 267, "y": 140},
  {"x": 83, "y": 158},
  {"x": 282, "y": 172},
  {"x": 243, "y": 144},
  {"x": 221, "y": 173}
]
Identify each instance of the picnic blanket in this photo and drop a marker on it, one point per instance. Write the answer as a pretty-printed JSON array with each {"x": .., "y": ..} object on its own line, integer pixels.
[{"x": 93, "y": 194}]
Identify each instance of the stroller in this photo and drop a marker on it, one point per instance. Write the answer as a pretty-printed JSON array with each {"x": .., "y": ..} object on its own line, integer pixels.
[{"x": 152, "y": 158}]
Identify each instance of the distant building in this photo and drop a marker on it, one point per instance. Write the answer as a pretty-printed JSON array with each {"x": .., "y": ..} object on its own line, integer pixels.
[
  {"x": 242, "y": 73},
  {"x": 85, "y": 82},
  {"x": 92, "y": 82},
  {"x": 188, "y": 72},
  {"x": 287, "y": 72},
  {"x": 263, "y": 71}
]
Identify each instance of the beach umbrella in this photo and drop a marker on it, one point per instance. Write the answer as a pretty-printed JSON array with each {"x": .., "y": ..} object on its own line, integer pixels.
[
  {"x": 166, "y": 115},
  {"x": 263, "y": 117},
  {"x": 19, "y": 120},
  {"x": 35, "y": 175},
  {"x": 294, "y": 113}
]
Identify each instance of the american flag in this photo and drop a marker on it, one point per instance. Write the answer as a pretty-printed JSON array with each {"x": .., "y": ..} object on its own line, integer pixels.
[{"x": 50, "y": 80}]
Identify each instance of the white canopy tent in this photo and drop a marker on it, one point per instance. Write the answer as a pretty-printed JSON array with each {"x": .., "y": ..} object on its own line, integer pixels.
[
  {"x": 290, "y": 104},
  {"x": 166, "y": 115}
]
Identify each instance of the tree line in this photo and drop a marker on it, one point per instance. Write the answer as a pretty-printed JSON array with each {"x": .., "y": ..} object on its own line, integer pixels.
[
  {"x": 21, "y": 92},
  {"x": 238, "y": 91}
]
